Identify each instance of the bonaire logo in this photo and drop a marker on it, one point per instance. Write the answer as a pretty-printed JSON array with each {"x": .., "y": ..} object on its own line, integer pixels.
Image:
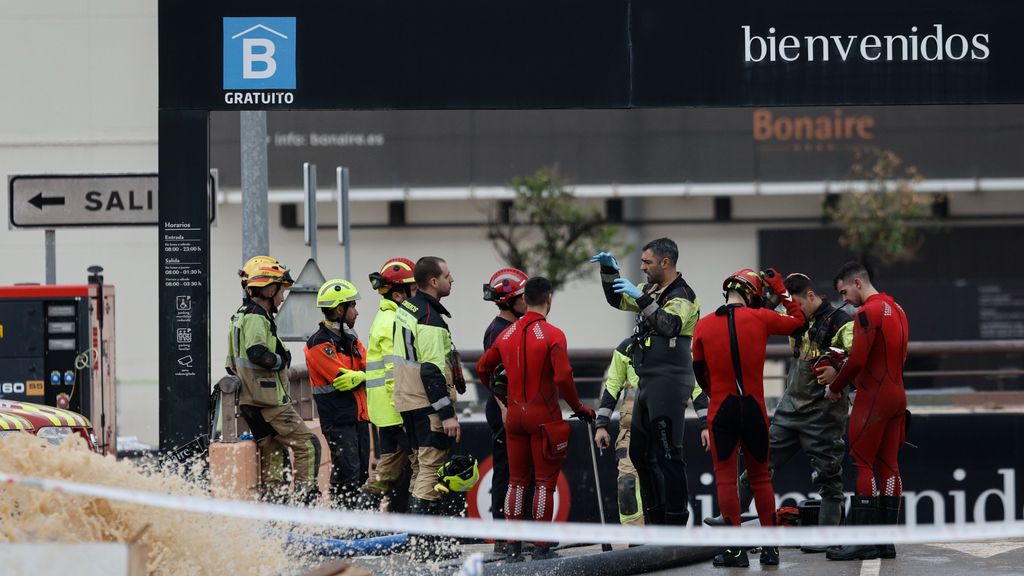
[{"x": 259, "y": 53}]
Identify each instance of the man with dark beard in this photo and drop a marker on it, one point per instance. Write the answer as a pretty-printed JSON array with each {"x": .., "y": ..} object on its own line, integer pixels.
[{"x": 666, "y": 311}]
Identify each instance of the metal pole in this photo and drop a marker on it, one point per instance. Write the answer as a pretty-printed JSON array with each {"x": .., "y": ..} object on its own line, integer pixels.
[
  {"x": 344, "y": 228},
  {"x": 597, "y": 480},
  {"x": 51, "y": 256},
  {"x": 309, "y": 226},
  {"x": 255, "y": 235}
]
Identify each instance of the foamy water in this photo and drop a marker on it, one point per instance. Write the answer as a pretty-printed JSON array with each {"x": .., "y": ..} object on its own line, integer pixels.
[{"x": 179, "y": 543}]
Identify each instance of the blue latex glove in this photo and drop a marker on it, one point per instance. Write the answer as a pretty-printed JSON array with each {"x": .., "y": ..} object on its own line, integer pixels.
[
  {"x": 605, "y": 259},
  {"x": 623, "y": 286}
]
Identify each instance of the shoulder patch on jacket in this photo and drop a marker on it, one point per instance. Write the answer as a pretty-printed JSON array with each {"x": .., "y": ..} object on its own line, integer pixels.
[
  {"x": 329, "y": 350},
  {"x": 862, "y": 317}
]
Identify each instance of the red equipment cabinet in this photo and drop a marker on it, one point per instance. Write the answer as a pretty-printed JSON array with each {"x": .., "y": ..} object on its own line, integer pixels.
[{"x": 57, "y": 348}]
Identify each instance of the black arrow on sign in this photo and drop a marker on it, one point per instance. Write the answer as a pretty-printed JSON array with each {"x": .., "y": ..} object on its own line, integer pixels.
[{"x": 39, "y": 201}]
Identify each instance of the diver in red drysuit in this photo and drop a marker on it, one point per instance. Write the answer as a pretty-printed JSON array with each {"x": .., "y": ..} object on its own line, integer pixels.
[
  {"x": 877, "y": 426},
  {"x": 728, "y": 359},
  {"x": 536, "y": 363}
]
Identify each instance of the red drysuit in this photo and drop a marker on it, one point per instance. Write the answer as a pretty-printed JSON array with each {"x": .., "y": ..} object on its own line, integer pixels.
[
  {"x": 728, "y": 358},
  {"x": 537, "y": 365},
  {"x": 879, "y": 410}
]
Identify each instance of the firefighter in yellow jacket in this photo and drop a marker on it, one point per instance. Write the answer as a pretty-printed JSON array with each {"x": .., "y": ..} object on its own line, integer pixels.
[
  {"x": 427, "y": 375},
  {"x": 260, "y": 360},
  {"x": 395, "y": 283}
]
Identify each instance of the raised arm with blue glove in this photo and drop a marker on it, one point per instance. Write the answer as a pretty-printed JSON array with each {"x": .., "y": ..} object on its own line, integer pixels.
[
  {"x": 624, "y": 286},
  {"x": 605, "y": 259}
]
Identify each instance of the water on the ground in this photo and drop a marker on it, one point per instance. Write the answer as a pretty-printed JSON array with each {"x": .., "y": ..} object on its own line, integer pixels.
[{"x": 179, "y": 543}]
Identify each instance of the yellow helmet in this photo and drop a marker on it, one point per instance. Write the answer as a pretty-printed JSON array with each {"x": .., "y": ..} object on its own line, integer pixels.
[
  {"x": 268, "y": 273},
  {"x": 251, "y": 265},
  {"x": 335, "y": 292},
  {"x": 459, "y": 474}
]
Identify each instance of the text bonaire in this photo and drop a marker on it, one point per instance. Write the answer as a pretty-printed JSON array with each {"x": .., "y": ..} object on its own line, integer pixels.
[
  {"x": 930, "y": 45},
  {"x": 834, "y": 127}
]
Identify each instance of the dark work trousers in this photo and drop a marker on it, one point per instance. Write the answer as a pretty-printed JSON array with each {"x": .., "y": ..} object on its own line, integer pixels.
[
  {"x": 656, "y": 448},
  {"x": 350, "y": 458},
  {"x": 806, "y": 421}
]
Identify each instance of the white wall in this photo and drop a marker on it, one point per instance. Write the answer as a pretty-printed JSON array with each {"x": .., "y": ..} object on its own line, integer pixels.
[{"x": 80, "y": 95}]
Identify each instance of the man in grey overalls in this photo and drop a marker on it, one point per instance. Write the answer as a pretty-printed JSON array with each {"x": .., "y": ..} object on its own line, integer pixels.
[{"x": 804, "y": 419}]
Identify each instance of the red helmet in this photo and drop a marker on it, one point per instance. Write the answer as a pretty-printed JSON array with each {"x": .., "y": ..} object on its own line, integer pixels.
[
  {"x": 505, "y": 285},
  {"x": 395, "y": 272},
  {"x": 748, "y": 284}
]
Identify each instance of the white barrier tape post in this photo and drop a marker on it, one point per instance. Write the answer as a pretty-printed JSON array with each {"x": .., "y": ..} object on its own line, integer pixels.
[{"x": 565, "y": 533}]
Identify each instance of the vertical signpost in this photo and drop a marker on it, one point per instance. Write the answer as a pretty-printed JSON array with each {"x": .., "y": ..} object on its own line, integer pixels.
[
  {"x": 184, "y": 290},
  {"x": 344, "y": 228}
]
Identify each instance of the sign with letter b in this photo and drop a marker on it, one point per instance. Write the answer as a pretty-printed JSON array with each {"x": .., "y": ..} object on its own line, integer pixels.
[{"x": 259, "y": 53}]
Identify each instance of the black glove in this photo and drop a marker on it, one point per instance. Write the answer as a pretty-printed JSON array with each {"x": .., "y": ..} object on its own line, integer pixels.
[
  {"x": 453, "y": 364},
  {"x": 459, "y": 381},
  {"x": 499, "y": 382},
  {"x": 286, "y": 358},
  {"x": 585, "y": 413}
]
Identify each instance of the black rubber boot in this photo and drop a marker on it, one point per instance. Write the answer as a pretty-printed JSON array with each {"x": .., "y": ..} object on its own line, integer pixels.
[
  {"x": 828, "y": 515},
  {"x": 674, "y": 519},
  {"x": 447, "y": 547},
  {"x": 889, "y": 514},
  {"x": 654, "y": 516},
  {"x": 731, "y": 558},
  {"x": 769, "y": 556},
  {"x": 308, "y": 497},
  {"x": 863, "y": 512},
  {"x": 421, "y": 546},
  {"x": 370, "y": 501},
  {"x": 544, "y": 551},
  {"x": 514, "y": 552}
]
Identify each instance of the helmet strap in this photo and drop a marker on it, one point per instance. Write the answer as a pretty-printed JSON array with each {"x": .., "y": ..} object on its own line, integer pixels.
[
  {"x": 258, "y": 295},
  {"x": 404, "y": 289}
]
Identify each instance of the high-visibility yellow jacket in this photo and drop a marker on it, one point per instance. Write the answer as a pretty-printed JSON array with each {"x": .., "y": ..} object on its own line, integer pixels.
[
  {"x": 258, "y": 357},
  {"x": 424, "y": 358},
  {"x": 380, "y": 378}
]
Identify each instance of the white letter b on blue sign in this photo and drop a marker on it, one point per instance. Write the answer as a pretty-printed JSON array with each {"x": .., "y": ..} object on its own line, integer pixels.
[{"x": 259, "y": 53}]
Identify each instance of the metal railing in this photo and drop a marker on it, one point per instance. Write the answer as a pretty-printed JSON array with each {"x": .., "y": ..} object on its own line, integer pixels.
[{"x": 784, "y": 352}]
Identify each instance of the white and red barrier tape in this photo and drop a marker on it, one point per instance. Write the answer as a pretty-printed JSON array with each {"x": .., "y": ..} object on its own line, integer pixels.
[{"x": 564, "y": 533}]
